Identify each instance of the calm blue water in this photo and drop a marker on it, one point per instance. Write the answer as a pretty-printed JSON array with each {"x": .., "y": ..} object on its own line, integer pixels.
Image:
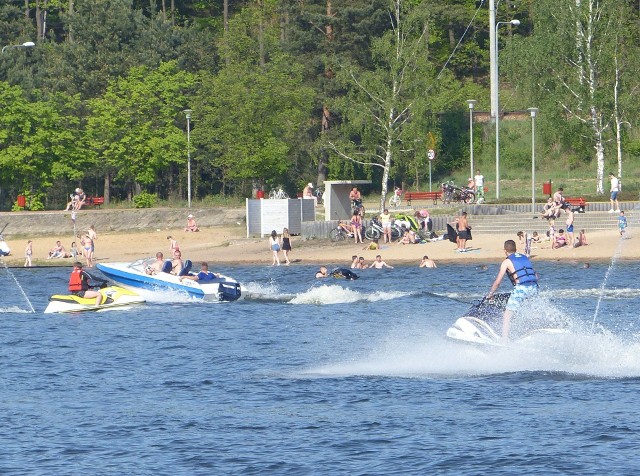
[{"x": 332, "y": 377}]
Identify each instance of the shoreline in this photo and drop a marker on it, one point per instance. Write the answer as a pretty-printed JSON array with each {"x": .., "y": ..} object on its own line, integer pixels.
[{"x": 227, "y": 245}]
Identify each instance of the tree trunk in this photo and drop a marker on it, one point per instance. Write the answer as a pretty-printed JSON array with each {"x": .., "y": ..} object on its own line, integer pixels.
[
  {"x": 616, "y": 113},
  {"x": 70, "y": 12},
  {"x": 38, "y": 20},
  {"x": 263, "y": 61},
  {"x": 26, "y": 11},
  {"x": 107, "y": 187},
  {"x": 326, "y": 113}
]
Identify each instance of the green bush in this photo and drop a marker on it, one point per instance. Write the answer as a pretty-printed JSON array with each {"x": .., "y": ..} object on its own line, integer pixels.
[
  {"x": 145, "y": 200},
  {"x": 34, "y": 202}
]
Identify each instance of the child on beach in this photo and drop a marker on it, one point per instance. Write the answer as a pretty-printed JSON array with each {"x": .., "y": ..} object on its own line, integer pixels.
[
  {"x": 173, "y": 244},
  {"x": 622, "y": 222},
  {"x": 27, "y": 254}
]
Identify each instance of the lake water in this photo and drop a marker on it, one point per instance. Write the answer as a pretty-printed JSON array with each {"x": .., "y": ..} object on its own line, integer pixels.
[{"x": 331, "y": 377}]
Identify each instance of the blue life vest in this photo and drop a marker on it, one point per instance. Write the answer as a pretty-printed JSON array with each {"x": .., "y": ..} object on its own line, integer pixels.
[
  {"x": 208, "y": 276},
  {"x": 523, "y": 270}
]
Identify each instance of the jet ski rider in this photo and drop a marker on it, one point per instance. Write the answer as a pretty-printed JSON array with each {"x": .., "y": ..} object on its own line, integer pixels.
[
  {"x": 79, "y": 284},
  {"x": 524, "y": 279}
]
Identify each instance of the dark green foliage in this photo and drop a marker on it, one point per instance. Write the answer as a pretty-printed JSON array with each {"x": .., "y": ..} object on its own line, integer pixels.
[{"x": 98, "y": 102}]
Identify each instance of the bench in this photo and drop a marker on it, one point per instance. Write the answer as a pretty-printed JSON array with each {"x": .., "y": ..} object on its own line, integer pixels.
[
  {"x": 577, "y": 204},
  {"x": 435, "y": 196},
  {"x": 94, "y": 201}
]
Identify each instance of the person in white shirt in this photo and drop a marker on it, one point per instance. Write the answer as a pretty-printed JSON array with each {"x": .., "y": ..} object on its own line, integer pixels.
[
  {"x": 479, "y": 180},
  {"x": 615, "y": 189}
]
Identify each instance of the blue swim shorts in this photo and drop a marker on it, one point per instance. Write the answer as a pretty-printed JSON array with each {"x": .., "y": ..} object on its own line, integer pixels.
[
  {"x": 570, "y": 229},
  {"x": 520, "y": 293},
  {"x": 614, "y": 195}
]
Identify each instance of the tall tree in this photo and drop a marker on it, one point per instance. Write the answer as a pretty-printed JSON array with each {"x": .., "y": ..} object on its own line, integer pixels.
[
  {"x": 573, "y": 46},
  {"x": 379, "y": 109}
]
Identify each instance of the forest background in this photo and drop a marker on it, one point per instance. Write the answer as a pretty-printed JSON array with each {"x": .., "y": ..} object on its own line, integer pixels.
[{"x": 285, "y": 92}]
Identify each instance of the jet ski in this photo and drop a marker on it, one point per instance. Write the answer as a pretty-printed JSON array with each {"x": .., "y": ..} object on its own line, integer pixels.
[
  {"x": 344, "y": 273},
  {"x": 112, "y": 296},
  {"x": 482, "y": 324}
]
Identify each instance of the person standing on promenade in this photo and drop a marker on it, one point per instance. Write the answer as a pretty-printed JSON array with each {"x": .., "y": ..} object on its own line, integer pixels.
[
  {"x": 524, "y": 279},
  {"x": 479, "y": 180},
  {"x": 615, "y": 189}
]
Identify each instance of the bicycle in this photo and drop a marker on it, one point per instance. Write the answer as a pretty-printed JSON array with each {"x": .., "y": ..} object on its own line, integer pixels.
[
  {"x": 278, "y": 194},
  {"x": 396, "y": 198},
  {"x": 339, "y": 233},
  {"x": 375, "y": 231}
]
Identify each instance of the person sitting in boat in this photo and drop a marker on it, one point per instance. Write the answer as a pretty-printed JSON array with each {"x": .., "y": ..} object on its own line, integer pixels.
[
  {"x": 79, "y": 284},
  {"x": 203, "y": 276},
  {"x": 176, "y": 263},
  {"x": 157, "y": 265}
]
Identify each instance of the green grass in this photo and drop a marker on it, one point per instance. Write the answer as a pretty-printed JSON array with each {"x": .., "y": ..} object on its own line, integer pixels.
[{"x": 576, "y": 177}]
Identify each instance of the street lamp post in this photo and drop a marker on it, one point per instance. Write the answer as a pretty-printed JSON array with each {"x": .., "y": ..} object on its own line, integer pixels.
[
  {"x": 494, "y": 85},
  {"x": 187, "y": 113},
  {"x": 471, "y": 103},
  {"x": 533, "y": 111},
  {"x": 26, "y": 44}
]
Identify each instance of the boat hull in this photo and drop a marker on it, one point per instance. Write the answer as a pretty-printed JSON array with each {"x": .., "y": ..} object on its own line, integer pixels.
[
  {"x": 133, "y": 276},
  {"x": 112, "y": 297}
]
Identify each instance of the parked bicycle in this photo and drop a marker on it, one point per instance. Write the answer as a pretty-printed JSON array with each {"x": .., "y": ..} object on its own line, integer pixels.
[
  {"x": 341, "y": 233},
  {"x": 278, "y": 194},
  {"x": 453, "y": 193},
  {"x": 396, "y": 198},
  {"x": 375, "y": 231}
]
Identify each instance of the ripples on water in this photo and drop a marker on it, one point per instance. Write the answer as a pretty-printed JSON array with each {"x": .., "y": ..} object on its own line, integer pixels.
[{"x": 329, "y": 377}]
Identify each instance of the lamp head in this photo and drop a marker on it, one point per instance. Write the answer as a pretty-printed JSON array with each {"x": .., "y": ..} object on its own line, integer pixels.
[
  {"x": 515, "y": 22},
  {"x": 533, "y": 111},
  {"x": 28, "y": 44},
  {"x": 187, "y": 113},
  {"x": 471, "y": 103}
]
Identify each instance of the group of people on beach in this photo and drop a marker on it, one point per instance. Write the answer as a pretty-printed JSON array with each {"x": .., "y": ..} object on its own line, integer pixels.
[
  {"x": 280, "y": 243},
  {"x": 87, "y": 249}
]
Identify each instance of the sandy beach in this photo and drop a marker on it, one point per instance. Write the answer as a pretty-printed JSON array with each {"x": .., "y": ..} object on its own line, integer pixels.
[{"x": 228, "y": 245}]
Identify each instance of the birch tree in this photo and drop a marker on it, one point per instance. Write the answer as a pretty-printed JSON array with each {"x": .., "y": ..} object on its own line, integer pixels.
[
  {"x": 569, "y": 63},
  {"x": 379, "y": 107}
]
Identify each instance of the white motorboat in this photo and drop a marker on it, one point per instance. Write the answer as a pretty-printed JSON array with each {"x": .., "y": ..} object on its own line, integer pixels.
[
  {"x": 482, "y": 324},
  {"x": 133, "y": 276},
  {"x": 112, "y": 296}
]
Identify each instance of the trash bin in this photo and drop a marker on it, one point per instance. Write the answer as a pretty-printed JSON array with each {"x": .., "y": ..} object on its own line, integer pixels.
[
  {"x": 22, "y": 201},
  {"x": 546, "y": 188},
  {"x": 260, "y": 194}
]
